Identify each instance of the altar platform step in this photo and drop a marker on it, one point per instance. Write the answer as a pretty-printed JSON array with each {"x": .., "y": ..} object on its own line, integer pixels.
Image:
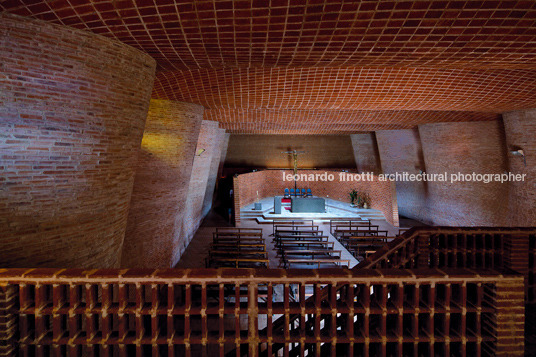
[{"x": 335, "y": 209}]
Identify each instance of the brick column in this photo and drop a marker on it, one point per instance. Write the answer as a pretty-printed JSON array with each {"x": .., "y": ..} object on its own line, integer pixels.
[
  {"x": 510, "y": 317},
  {"x": 154, "y": 237},
  {"x": 206, "y": 148},
  {"x": 236, "y": 199},
  {"x": 8, "y": 320}
]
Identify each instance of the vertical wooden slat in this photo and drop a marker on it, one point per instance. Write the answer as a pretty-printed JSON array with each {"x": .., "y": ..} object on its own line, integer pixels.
[
  {"x": 187, "y": 326},
  {"x": 366, "y": 323},
  {"x": 204, "y": 318},
  {"x": 269, "y": 330},
  {"x": 170, "y": 331},
  {"x": 431, "y": 326},
  {"x": 253, "y": 323},
  {"x": 221, "y": 314},
  {"x": 237, "y": 319},
  {"x": 463, "y": 323}
]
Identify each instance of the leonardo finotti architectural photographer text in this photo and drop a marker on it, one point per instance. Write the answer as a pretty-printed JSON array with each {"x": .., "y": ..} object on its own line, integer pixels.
[{"x": 408, "y": 177}]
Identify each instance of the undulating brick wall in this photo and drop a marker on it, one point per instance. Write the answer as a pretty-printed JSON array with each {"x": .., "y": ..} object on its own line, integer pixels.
[
  {"x": 268, "y": 183},
  {"x": 266, "y": 151},
  {"x": 223, "y": 156},
  {"x": 160, "y": 193},
  {"x": 366, "y": 154},
  {"x": 465, "y": 147},
  {"x": 219, "y": 143},
  {"x": 401, "y": 151},
  {"x": 206, "y": 147},
  {"x": 72, "y": 110},
  {"x": 520, "y": 128}
]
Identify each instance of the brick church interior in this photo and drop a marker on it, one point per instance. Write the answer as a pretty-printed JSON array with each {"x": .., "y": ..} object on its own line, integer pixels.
[{"x": 267, "y": 178}]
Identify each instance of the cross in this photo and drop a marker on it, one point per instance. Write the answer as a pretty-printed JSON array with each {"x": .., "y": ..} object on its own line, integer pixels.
[{"x": 295, "y": 156}]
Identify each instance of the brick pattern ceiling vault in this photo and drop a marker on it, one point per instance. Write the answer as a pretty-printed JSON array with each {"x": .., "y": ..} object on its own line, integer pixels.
[{"x": 332, "y": 66}]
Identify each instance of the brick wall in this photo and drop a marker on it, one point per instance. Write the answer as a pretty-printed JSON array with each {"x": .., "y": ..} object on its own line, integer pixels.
[
  {"x": 400, "y": 151},
  {"x": 520, "y": 127},
  {"x": 160, "y": 192},
  {"x": 465, "y": 147},
  {"x": 265, "y": 151},
  {"x": 366, "y": 154},
  {"x": 72, "y": 110},
  {"x": 219, "y": 143},
  {"x": 224, "y": 148},
  {"x": 207, "y": 141},
  {"x": 270, "y": 183}
]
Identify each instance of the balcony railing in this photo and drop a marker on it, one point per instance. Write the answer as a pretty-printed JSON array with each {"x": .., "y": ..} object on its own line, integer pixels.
[{"x": 211, "y": 312}]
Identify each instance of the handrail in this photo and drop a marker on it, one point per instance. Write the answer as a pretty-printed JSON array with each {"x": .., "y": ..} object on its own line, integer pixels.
[{"x": 415, "y": 233}]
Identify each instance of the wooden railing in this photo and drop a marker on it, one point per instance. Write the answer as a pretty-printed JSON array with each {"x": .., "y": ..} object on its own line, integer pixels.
[
  {"x": 210, "y": 312},
  {"x": 458, "y": 247},
  {"x": 501, "y": 249}
]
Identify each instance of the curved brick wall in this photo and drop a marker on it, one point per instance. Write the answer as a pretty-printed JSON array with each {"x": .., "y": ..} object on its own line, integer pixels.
[
  {"x": 469, "y": 147},
  {"x": 270, "y": 183},
  {"x": 159, "y": 198},
  {"x": 520, "y": 127},
  {"x": 72, "y": 110}
]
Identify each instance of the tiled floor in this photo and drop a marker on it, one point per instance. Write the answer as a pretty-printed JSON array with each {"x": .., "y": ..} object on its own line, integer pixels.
[{"x": 197, "y": 251}]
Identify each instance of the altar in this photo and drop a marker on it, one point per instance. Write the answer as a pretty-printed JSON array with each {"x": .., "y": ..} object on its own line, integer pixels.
[
  {"x": 301, "y": 204},
  {"x": 307, "y": 205}
]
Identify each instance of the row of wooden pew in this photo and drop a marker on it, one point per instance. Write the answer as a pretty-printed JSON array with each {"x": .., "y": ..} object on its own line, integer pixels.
[
  {"x": 301, "y": 244},
  {"x": 360, "y": 237},
  {"x": 237, "y": 248}
]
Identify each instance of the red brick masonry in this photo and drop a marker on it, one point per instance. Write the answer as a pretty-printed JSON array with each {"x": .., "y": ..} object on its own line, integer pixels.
[
  {"x": 159, "y": 198},
  {"x": 72, "y": 110}
]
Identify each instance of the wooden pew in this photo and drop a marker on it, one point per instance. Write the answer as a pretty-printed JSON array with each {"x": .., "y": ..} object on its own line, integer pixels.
[
  {"x": 295, "y": 232},
  {"x": 312, "y": 253},
  {"x": 349, "y": 222},
  {"x": 238, "y": 262},
  {"x": 305, "y": 244},
  {"x": 237, "y": 253},
  {"x": 346, "y": 230},
  {"x": 321, "y": 263},
  {"x": 237, "y": 247},
  {"x": 238, "y": 230},
  {"x": 370, "y": 233},
  {"x": 291, "y": 223},
  {"x": 291, "y": 237},
  {"x": 238, "y": 239}
]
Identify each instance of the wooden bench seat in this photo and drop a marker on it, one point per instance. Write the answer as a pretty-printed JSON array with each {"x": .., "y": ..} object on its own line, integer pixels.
[
  {"x": 238, "y": 246},
  {"x": 319, "y": 262},
  {"x": 238, "y": 230},
  {"x": 305, "y": 243},
  {"x": 306, "y": 237},
  {"x": 364, "y": 239},
  {"x": 377, "y": 233},
  {"x": 234, "y": 234},
  {"x": 346, "y": 222},
  {"x": 238, "y": 240},
  {"x": 309, "y": 230},
  {"x": 312, "y": 252},
  {"x": 238, "y": 262},
  {"x": 238, "y": 253},
  {"x": 343, "y": 231}
]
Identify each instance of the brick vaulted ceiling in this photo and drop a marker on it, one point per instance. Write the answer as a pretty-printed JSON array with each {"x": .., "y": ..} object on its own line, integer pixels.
[{"x": 317, "y": 66}]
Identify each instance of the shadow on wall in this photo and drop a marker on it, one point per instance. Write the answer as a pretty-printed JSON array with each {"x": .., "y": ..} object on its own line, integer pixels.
[{"x": 156, "y": 215}]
